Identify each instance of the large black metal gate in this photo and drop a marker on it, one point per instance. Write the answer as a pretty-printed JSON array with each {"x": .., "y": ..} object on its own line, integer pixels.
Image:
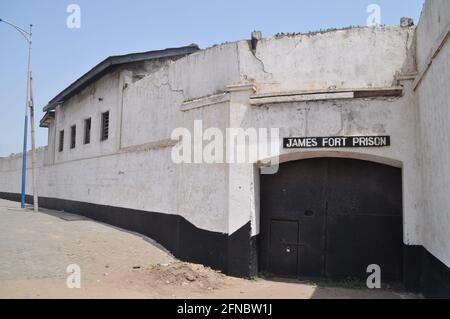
[{"x": 331, "y": 217}]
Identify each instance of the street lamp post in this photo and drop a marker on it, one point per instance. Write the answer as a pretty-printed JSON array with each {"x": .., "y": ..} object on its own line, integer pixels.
[{"x": 28, "y": 104}]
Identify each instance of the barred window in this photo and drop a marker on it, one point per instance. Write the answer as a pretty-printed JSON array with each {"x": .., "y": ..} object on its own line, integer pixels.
[
  {"x": 61, "y": 140},
  {"x": 73, "y": 136},
  {"x": 87, "y": 131},
  {"x": 105, "y": 126}
]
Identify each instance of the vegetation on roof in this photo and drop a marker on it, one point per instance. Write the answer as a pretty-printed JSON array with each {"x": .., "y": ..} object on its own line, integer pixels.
[{"x": 321, "y": 31}]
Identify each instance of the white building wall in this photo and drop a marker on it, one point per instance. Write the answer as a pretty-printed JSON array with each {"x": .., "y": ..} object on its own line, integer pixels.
[
  {"x": 433, "y": 95},
  {"x": 152, "y": 105},
  {"x": 202, "y": 188},
  {"x": 100, "y": 97},
  {"x": 138, "y": 172},
  {"x": 11, "y": 171},
  {"x": 50, "y": 154},
  {"x": 352, "y": 58},
  {"x": 152, "y": 110},
  {"x": 348, "y": 59},
  {"x": 395, "y": 117}
]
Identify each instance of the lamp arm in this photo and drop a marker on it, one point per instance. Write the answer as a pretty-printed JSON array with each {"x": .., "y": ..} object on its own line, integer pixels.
[{"x": 25, "y": 34}]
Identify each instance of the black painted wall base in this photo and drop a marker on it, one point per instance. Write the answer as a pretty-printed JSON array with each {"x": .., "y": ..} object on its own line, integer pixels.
[
  {"x": 425, "y": 273},
  {"x": 434, "y": 278},
  {"x": 230, "y": 254},
  {"x": 235, "y": 255}
]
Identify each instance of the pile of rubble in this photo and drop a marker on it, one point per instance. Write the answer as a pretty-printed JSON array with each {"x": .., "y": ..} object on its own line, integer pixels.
[{"x": 186, "y": 275}]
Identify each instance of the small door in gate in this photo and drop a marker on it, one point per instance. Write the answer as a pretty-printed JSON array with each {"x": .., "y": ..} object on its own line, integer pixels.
[{"x": 283, "y": 256}]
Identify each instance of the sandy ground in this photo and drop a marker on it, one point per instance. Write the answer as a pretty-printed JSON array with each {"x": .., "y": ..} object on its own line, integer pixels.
[{"x": 35, "y": 250}]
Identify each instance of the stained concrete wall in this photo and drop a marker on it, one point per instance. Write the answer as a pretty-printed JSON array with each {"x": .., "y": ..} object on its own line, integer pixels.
[
  {"x": 134, "y": 168},
  {"x": 152, "y": 105},
  {"x": 11, "y": 171},
  {"x": 346, "y": 59},
  {"x": 152, "y": 110},
  {"x": 353, "y": 58},
  {"x": 100, "y": 97},
  {"x": 433, "y": 96},
  {"x": 378, "y": 116},
  {"x": 433, "y": 24}
]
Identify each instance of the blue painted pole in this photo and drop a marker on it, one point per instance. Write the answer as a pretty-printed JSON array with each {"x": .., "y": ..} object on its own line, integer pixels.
[
  {"x": 28, "y": 38},
  {"x": 24, "y": 163}
]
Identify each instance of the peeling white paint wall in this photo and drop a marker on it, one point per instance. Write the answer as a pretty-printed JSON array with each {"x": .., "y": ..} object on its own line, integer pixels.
[
  {"x": 377, "y": 116},
  {"x": 354, "y": 58},
  {"x": 339, "y": 60},
  {"x": 100, "y": 97},
  {"x": 433, "y": 95},
  {"x": 134, "y": 168}
]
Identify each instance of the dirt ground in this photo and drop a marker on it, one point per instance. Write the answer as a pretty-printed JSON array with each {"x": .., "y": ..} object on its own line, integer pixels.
[{"x": 35, "y": 250}]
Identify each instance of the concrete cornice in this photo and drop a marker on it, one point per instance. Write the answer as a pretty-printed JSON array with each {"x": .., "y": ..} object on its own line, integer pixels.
[
  {"x": 301, "y": 98},
  {"x": 321, "y": 95},
  {"x": 241, "y": 87},
  {"x": 205, "y": 101}
]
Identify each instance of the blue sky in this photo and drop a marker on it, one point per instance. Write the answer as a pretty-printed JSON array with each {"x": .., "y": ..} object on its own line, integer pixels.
[{"x": 110, "y": 27}]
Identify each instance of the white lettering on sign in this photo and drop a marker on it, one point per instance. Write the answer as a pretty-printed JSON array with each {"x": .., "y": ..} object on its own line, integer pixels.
[
  {"x": 336, "y": 142},
  {"x": 302, "y": 143},
  {"x": 370, "y": 141}
]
